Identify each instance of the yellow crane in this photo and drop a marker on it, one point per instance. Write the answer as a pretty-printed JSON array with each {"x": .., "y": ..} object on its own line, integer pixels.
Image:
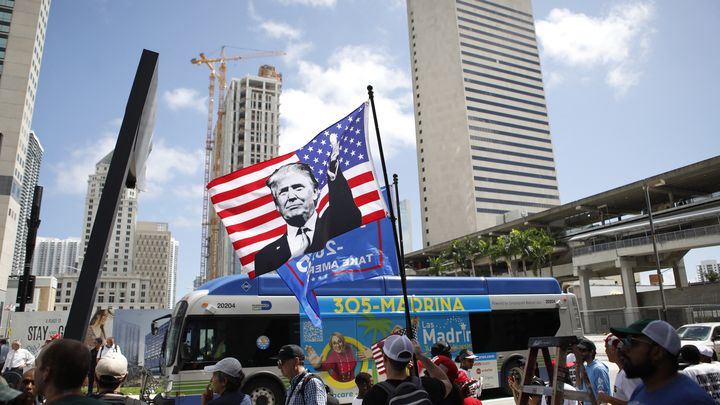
[{"x": 213, "y": 147}]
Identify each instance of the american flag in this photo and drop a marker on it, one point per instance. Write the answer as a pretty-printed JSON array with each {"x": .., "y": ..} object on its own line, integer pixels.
[
  {"x": 376, "y": 349},
  {"x": 245, "y": 204}
]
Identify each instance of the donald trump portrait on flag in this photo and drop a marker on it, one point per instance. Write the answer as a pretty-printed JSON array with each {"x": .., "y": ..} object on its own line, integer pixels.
[{"x": 295, "y": 193}]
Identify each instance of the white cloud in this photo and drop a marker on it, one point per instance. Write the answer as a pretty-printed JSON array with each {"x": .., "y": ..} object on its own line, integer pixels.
[
  {"x": 312, "y": 3},
  {"x": 72, "y": 173},
  {"x": 279, "y": 30},
  {"x": 183, "y": 98},
  {"x": 330, "y": 92},
  {"x": 294, "y": 51},
  {"x": 617, "y": 42},
  {"x": 171, "y": 170}
]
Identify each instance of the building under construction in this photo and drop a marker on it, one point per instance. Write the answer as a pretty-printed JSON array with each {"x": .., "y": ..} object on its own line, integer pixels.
[{"x": 251, "y": 132}]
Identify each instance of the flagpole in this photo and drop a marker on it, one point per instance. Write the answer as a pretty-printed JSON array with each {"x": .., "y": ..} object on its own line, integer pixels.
[
  {"x": 401, "y": 259},
  {"x": 399, "y": 216}
]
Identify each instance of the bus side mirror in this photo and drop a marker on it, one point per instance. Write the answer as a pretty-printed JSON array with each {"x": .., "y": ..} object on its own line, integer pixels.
[{"x": 153, "y": 328}]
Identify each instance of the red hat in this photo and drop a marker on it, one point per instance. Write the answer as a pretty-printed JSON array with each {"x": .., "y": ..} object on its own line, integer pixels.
[{"x": 447, "y": 365}]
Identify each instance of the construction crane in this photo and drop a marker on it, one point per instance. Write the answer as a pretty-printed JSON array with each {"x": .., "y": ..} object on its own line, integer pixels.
[{"x": 213, "y": 148}]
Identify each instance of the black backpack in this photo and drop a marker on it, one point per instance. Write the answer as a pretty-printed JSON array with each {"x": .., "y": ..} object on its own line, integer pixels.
[
  {"x": 331, "y": 400},
  {"x": 408, "y": 392}
]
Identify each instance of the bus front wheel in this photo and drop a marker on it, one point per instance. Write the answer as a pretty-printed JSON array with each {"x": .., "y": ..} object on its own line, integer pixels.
[{"x": 264, "y": 391}]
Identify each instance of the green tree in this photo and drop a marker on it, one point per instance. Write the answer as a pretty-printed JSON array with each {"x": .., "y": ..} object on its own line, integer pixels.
[
  {"x": 435, "y": 265},
  {"x": 711, "y": 276},
  {"x": 464, "y": 251},
  {"x": 540, "y": 247},
  {"x": 507, "y": 247}
]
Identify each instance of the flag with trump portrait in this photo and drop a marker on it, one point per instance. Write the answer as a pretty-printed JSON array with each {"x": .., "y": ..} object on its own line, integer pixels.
[{"x": 315, "y": 215}]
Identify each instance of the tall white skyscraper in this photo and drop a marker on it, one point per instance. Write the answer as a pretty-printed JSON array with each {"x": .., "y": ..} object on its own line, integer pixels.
[
  {"x": 22, "y": 38},
  {"x": 705, "y": 267},
  {"x": 251, "y": 135},
  {"x": 118, "y": 259},
  {"x": 33, "y": 158},
  {"x": 482, "y": 132},
  {"x": 172, "y": 274},
  {"x": 54, "y": 256}
]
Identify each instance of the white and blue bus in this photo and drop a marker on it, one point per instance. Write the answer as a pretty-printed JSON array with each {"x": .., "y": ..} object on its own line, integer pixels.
[{"x": 251, "y": 319}]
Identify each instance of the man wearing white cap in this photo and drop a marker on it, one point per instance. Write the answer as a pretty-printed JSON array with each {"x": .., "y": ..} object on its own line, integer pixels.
[
  {"x": 707, "y": 375},
  {"x": 650, "y": 352},
  {"x": 110, "y": 373},
  {"x": 226, "y": 381},
  {"x": 706, "y": 354},
  {"x": 397, "y": 354}
]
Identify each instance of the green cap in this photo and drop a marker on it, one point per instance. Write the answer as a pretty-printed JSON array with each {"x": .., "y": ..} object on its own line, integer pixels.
[{"x": 635, "y": 328}]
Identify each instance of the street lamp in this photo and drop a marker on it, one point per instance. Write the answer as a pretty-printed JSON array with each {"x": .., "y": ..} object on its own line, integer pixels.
[{"x": 646, "y": 188}]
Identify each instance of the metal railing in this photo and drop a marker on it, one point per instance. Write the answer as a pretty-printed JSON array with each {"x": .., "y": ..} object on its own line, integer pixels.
[
  {"x": 647, "y": 240},
  {"x": 599, "y": 321}
]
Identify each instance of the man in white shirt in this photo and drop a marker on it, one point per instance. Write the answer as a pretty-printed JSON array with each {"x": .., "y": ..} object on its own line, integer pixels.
[
  {"x": 17, "y": 359},
  {"x": 624, "y": 386},
  {"x": 707, "y": 375},
  {"x": 108, "y": 347}
]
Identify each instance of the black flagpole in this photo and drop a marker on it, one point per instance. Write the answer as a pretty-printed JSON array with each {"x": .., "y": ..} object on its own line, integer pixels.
[
  {"x": 399, "y": 216},
  {"x": 401, "y": 259}
]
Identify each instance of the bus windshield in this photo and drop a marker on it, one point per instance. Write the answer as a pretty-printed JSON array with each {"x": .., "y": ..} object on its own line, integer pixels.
[{"x": 173, "y": 333}]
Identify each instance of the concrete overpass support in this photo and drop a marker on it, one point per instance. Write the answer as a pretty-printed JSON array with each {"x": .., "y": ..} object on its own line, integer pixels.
[
  {"x": 680, "y": 274},
  {"x": 584, "y": 277},
  {"x": 632, "y": 313}
]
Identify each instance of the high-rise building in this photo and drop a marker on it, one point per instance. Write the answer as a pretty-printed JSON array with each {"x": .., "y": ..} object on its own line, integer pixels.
[
  {"x": 54, "y": 256},
  {"x": 154, "y": 258},
  {"x": 22, "y": 38},
  {"x": 482, "y": 132},
  {"x": 707, "y": 267},
  {"x": 33, "y": 158},
  {"x": 405, "y": 215},
  {"x": 172, "y": 274},
  {"x": 119, "y": 256},
  {"x": 251, "y": 132}
]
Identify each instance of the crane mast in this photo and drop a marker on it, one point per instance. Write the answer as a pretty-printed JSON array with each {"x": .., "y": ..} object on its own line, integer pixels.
[{"x": 213, "y": 150}]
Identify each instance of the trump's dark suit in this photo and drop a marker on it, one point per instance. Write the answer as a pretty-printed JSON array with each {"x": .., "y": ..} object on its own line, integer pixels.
[{"x": 342, "y": 215}]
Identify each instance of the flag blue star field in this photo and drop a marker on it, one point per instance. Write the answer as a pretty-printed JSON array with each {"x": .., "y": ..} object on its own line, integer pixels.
[{"x": 346, "y": 237}]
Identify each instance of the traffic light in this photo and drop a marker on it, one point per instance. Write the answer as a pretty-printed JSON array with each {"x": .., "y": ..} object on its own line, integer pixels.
[{"x": 30, "y": 289}]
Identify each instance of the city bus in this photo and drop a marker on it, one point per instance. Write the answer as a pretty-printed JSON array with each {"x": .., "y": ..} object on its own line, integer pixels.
[{"x": 250, "y": 319}]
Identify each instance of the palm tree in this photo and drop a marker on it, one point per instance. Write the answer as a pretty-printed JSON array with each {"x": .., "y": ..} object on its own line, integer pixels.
[
  {"x": 435, "y": 265},
  {"x": 540, "y": 246}
]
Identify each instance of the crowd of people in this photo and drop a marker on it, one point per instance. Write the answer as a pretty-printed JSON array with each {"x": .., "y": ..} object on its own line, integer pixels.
[{"x": 653, "y": 369}]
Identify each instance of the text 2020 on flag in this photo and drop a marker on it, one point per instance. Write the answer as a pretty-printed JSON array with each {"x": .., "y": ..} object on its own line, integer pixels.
[{"x": 295, "y": 211}]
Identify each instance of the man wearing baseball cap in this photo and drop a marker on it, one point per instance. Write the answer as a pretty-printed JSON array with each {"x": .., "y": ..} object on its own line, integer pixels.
[
  {"x": 110, "y": 373},
  {"x": 226, "y": 381},
  {"x": 650, "y": 352},
  {"x": 305, "y": 388},
  {"x": 397, "y": 354},
  {"x": 597, "y": 372},
  {"x": 707, "y": 375}
]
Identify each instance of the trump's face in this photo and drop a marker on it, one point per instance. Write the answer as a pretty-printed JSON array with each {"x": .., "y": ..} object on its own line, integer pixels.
[{"x": 295, "y": 197}]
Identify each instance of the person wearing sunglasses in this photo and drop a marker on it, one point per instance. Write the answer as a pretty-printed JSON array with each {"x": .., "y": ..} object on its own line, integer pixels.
[
  {"x": 650, "y": 352},
  {"x": 597, "y": 371}
]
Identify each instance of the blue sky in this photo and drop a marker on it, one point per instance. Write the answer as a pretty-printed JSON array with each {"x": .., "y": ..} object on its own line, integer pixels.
[{"x": 631, "y": 86}]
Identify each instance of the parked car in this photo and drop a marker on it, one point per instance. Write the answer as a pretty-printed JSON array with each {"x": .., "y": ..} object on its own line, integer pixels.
[{"x": 697, "y": 334}]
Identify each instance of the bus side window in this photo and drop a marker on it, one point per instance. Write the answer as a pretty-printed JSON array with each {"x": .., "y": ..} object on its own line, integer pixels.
[{"x": 498, "y": 331}]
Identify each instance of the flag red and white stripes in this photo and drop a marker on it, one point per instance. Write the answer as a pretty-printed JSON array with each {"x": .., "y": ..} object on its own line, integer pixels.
[{"x": 245, "y": 204}]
